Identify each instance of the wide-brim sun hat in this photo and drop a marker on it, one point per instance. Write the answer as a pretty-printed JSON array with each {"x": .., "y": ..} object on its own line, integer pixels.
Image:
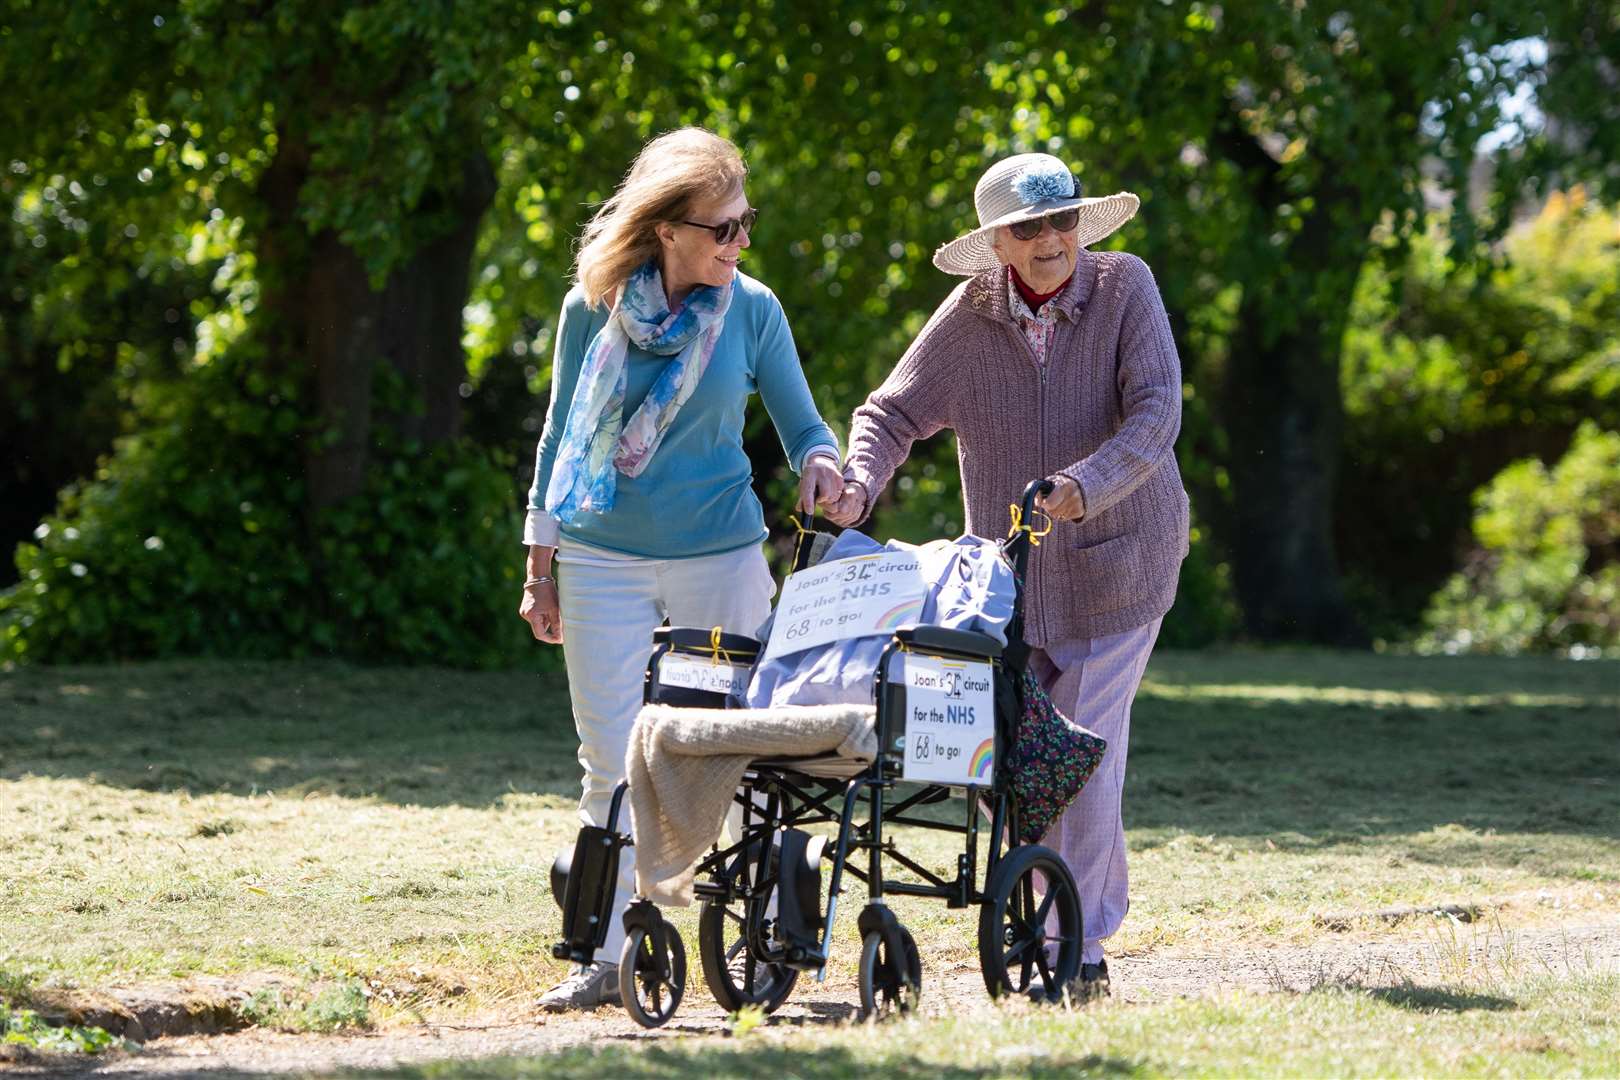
[{"x": 1028, "y": 186}]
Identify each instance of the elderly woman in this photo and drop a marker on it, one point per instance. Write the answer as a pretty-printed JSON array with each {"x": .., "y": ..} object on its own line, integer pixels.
[
  {"x": 1054, "y": 361},
  {"x": 641, "y": 486}
]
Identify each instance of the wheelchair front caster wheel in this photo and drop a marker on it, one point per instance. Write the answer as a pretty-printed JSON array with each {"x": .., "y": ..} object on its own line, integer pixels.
[
  {"x": 652, "y": 981},
  {"x": 889, "y": 984}
]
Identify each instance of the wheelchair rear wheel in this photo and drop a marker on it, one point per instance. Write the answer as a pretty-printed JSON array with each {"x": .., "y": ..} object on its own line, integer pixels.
[
  {"x": 889, "y": 984},
  {"x": 652, "y": 985},
  {"x": 1017, "y": 951},
  {"x": 735, "y": 976}
]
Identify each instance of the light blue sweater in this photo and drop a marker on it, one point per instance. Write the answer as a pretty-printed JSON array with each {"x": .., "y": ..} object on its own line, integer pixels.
[{"x": 693, "y": 498}]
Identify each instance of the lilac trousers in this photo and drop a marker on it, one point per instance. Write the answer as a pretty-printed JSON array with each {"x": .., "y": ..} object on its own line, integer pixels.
[{"x": 1093, "y": 681}]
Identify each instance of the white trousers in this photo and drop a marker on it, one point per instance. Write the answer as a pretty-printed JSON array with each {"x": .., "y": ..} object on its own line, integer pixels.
[
  {"x": 611, "y": 604},
  {"x": 1093, "y": 682}
]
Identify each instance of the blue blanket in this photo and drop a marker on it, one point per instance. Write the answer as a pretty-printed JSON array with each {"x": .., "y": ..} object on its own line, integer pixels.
[{"x": 970, "y": 587}]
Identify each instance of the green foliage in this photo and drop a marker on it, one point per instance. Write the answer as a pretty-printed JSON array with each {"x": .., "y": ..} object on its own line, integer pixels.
[
  {"x": 340, "y": 1007},
  {"x": 1264, "y": 140},
  {"x": 182, "y": 542},
  {"x": 193, "y": 540},
  {"x": 337, "y": 1007},
  {"x": 1205, "y": 611},
  {"x": 1454, "y": 369},
  {"x": 744, "y": 1020},
  {"x": 17, "y": 986},
  {"x": 24, "y": 1027},
  {"x": 87, "y": 316},
  {"x": 1546, "y": 570},
  {"x": 1468, "y": 347}
]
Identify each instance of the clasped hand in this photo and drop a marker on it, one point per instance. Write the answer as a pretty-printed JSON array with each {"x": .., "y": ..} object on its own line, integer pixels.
[
  {"x": 822, "y": 488},
  {"x": 820, "y": 484}
]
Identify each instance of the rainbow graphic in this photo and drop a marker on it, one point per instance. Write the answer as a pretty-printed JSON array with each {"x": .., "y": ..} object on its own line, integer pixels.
[
  {"x": 897, "y": 617},
  {"x": 983, "y": 759}
]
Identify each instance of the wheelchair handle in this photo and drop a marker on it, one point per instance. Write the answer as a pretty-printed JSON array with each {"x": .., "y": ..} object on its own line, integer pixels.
[
  {"x": 1032, "y": 490},
  {"x": 1018, "y": 548},
  {"x": 1020, "y": 544}
]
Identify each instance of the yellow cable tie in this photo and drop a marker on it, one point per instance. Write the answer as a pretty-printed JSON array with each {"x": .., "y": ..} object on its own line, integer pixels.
[
  {"x": 718, "y": 653},
  {"x": 1019, "y": 526}
]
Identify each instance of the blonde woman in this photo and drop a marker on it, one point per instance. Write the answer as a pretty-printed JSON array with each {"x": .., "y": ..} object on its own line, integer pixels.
[{"x": 641, "y": 487}]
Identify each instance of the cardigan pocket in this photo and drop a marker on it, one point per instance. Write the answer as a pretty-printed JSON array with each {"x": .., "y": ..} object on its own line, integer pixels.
[{"x": 1105, "y": 575}]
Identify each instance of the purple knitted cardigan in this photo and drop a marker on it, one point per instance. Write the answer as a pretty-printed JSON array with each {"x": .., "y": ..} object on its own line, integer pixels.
[{"x": 1105, "y": 411}]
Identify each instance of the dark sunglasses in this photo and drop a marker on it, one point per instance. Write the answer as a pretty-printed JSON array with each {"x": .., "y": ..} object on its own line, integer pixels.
[
  {"x": 1062, "y": 221},
  {"x": 726, "y": 231}
]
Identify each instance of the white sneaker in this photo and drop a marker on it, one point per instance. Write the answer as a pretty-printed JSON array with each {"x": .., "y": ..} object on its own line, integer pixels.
[{"x": 587, "y": 987}]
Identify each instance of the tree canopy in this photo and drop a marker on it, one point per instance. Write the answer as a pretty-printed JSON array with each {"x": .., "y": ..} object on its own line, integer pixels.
[{"x": 355, "y": 221}]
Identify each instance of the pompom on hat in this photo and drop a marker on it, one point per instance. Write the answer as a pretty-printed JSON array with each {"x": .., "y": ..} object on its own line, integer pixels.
[{"x": 1028, "y": 186}]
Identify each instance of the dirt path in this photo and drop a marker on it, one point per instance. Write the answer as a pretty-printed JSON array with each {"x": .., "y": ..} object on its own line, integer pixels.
[{"x": 1432, "y": 959}]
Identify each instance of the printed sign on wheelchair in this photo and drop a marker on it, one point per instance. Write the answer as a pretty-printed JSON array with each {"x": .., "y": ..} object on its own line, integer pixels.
[
  {"x": 702, "y": 673},
  {"x": 950, "y": 721},
  {"x": 847, "y": 598}
]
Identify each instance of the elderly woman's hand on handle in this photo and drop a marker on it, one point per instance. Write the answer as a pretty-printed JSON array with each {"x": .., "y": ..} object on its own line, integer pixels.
[
  {"x": 1065, "y": 502},
  {"x": 847, "y": 510}
]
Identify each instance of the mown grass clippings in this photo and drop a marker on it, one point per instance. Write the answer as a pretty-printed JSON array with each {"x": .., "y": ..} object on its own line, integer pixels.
[
  {"x": 396, "y": 827},
  {"x": 217, "y": 827}
]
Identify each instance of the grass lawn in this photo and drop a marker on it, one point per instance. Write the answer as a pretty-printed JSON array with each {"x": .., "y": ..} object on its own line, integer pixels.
[
  {"x": 1532, "y": 1028},
  {"x": 391, "y": 829}
]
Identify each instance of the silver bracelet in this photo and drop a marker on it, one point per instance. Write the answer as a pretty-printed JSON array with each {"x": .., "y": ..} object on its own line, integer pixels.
[{"x": 543, "y": 579}]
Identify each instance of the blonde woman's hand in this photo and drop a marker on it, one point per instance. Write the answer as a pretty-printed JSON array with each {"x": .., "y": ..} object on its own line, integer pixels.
[
  {"x": 821, "y": 484},
  {"x": 1065, "y": 503},
  {"x": 539, "y": 608}
]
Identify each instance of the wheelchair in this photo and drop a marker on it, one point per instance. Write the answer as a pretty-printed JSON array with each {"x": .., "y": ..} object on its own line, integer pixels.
[{"x": 766, "y": 916}]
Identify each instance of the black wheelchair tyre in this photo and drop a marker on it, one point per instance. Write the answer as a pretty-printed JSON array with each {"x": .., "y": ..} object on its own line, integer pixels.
[
  {"x": 1012, "y": 926},
  {"x": 886, "y": 989},
  {"x": 735, "y": 976},
  {"x": 649, "y": 995}
]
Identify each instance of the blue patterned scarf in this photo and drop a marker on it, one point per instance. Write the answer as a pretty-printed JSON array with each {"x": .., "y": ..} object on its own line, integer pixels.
[{"x": 597, "y": 444}]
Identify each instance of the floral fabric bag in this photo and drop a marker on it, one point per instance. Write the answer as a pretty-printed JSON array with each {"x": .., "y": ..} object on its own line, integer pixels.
[{"x": 1051, "y": 761}]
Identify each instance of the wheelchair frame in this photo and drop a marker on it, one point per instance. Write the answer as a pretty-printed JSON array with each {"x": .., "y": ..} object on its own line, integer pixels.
[{"x": 775, "y": 861}]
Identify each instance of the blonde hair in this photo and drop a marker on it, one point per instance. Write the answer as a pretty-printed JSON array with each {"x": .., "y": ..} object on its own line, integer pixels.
[{"x": 671, "y": 173}]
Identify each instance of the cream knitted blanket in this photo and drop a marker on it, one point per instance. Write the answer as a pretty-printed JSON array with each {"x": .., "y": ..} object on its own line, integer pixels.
[{"x": 684, "y": 766}]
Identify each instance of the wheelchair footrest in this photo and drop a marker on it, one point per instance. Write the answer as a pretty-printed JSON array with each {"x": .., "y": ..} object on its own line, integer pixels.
[
  {"x": 798, "y": 898},
  {"x": 587, "y": 896}
]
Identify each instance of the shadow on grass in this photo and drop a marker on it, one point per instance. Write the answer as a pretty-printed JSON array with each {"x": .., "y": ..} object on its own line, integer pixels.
[
  {"x": 409, "y": 736},
  {"x": 710, "y": 1061},
  {"x": 1315, "y": 769},
  {"x": 1435, "y": 999},
  {"x": 666, "y": 1059},
  {"x": 1217, "y": 753}
]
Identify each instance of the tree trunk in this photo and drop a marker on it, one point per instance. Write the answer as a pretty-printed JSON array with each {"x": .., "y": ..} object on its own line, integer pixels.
[
  {"x": 1284, "y": 419},
  {"x": 341, "y": 342},
  {"x": 420, "y": 313},
  {"x": 321, "y": 299}
]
